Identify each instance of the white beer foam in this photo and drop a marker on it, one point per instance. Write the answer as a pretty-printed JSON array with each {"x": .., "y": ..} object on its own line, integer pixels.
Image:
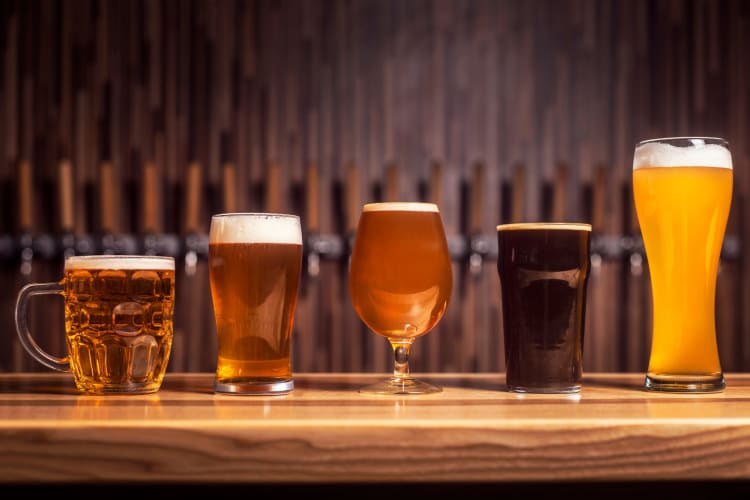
[
  {"x": 400, "y": 206},
  {"x": 659, "y": 154},
  {"x": 255, "y": 228},
  {"x": 120, "y": 262}
]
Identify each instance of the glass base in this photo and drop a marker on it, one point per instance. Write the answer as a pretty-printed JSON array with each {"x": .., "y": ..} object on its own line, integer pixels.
[
  {"x": 664, "y": 382},
  {"x": 265, "y": 387},
  {"x": 102, "y": 388},
  {"x": 399, "y": 386},
  {"x": 530, "y": 389}
]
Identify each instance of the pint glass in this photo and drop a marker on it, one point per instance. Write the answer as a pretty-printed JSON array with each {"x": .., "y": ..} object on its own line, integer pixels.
[
  {"x": 118, "y": 322},
  {"x": 544, "y": 270},
  {"x": 255, "y": 263},
  {"x": 683, "y": 191}
]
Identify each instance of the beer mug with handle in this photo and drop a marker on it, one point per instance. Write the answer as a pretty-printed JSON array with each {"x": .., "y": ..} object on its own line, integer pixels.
[{"x": 118, "y": 322}]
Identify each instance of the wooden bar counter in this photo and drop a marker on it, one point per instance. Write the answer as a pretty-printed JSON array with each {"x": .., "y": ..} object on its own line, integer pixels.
[{"x": 325, "y": 432}]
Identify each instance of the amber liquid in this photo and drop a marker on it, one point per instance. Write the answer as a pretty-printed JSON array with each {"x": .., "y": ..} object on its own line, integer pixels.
[
  {"x": 543, "y": 275},
  {"x": 254, "y": 288},
  {"x": 400, "y": 277},
  {"x": 119, "y": 328},
  {"x": 682, "y": 212}
]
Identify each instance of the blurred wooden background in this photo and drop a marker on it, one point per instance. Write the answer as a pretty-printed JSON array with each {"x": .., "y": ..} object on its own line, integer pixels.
[{"x": 125, "y": 125}]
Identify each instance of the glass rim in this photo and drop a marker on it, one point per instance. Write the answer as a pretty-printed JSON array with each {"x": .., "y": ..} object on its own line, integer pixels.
[
  {"x": 278, "y": 215},
  {"x": 710, "y": 139},
  {"x": 572, "y": 226},
  {"x": 121, "y": 261}
]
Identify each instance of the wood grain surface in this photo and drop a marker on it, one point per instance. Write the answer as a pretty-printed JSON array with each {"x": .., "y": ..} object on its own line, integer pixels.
[{"x": 326, "y": 432}]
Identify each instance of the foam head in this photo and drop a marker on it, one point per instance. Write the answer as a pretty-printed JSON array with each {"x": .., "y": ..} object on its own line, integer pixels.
[
  {"x": 690, "y": 153},
  {"x": 400, "y": 206},
  {"x": 255, "y": 228},
  {"x": 120, "y": 262}
]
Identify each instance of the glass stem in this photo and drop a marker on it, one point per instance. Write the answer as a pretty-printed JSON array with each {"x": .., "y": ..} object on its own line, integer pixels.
[{"x": 401, "y": 357}]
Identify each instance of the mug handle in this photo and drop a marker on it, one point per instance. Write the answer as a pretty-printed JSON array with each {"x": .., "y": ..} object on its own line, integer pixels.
[{"x": 22, "y": 326}]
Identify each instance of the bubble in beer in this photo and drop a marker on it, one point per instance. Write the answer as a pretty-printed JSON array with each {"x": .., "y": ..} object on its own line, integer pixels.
[{"x": 695, "y": 154}]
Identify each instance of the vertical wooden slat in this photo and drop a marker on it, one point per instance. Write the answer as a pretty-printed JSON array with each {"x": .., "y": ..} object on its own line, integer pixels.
[
  {"x": 25, "y": 197},
  {"x": 151, "y": 199},
  {"x": 517, "y": 212},
  {"x": 66, "y": 194},
  {"x": 198, "y": 343},
  {"x": 434, "y": 340},
  {"x": 358, "y": 334},
  {"x": 560, "y": 203},
  {"x": 109, "y": 199},
  {"x": 307, "y": 321},
  {"x": 273, "y": 194},
  {"x": 229, "y": 187}
]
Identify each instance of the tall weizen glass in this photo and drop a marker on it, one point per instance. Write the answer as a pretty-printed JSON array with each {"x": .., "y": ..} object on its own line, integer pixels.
[
  {"x": 400, "y": 281},
  {"x": 255, "y": 264},
  {"x": 683, "y": 191}
]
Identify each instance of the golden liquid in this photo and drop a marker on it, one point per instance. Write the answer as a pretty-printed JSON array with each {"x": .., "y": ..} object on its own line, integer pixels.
[
  {"x": 400, "y": 275},
  {"x": 119, "y": 328},
  {"x": 682, "y": 212},
  {"x": 254, "y": 288}
]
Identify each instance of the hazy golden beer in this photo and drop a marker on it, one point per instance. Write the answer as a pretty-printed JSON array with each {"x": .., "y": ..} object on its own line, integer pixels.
[
  {"x": 400, "y": 280},
  {"x": 393, "y": 281},
  {"x": 683, "y": 191},
  {"x": 118, "y": 321},
  {"x": 255, "y": 262}
]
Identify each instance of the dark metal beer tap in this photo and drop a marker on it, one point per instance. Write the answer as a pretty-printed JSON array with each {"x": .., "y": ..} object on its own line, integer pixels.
[
  {"x": 480, "y": 244},
  {"x": 194, "y": 242}
]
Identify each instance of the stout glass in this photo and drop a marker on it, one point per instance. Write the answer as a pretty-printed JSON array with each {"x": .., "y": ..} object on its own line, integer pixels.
[
  {"x": 543, "y": 270},
  {"x": 255, "y": 262},
  {"x": 118, "y": 322},
  {"x": 400, "y": 281},
  {"x": 683, "y": 191}
]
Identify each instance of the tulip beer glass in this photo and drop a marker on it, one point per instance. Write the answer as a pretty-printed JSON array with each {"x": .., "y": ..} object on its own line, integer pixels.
[
  {"x": 118, "y": 322},
  {"x": 255, "y": 264},
  {"x": 683, "y": 190},
  {"x": 400, "y": 281}
]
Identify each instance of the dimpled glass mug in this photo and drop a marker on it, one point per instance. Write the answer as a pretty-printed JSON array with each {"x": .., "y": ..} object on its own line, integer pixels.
[{"x": 118, "y": 322}]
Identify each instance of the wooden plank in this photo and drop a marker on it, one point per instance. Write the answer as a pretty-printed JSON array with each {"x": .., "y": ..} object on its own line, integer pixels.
[{"x": 325, "y": 435}]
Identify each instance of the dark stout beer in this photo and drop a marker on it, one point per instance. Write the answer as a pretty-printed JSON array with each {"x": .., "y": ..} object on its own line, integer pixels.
[{"x": 543, "y": 270}]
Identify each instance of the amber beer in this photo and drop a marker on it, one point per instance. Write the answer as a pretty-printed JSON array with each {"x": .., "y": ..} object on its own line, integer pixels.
[
  {"x": 543, "y": 270},
  {"x": 255, "y": 262},
  {"x": 400, "y": 279},
  {"x": 118, "y": 321},
  {"x": 683, "y": 191}
]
